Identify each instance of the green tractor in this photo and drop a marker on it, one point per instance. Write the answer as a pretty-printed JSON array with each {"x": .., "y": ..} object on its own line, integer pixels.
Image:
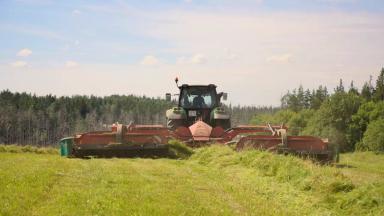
[{"x": 198, "y": 102}]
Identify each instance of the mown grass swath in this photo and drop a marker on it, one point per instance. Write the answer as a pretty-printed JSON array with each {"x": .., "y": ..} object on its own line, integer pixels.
[{"x": 211, "y": 180}]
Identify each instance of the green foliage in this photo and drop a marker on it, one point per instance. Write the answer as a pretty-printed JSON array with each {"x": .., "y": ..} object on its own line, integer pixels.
[
  {"x": 374, "y": 137},
  {"x": 262, "y": 119},
  {"x": 42, "y": 120},
  {"x": 179, "y": 150},
  {"x": 283, "y": 116},
  {"x": 353, "y": 89},
  {"x": 367, "y": 91},
  {"x": 342, "y": 117},
  {"x": 340, "y": 87},
  {"x": 300, "y": 99},
  {"x": 368, "y": 112},
  {"x": 28, "y": 149},
  {"x": 243, "y": 114},
  {"x": 278, "y": 118},
  {"x": 340, "y": 109},
  {"x": 333, "y": 118},
  {"x": 318, "y": 97},
  {"x": 330, "y": 121},
  {"x": 299, "y": 121},
  {"x": 379, "y": 90},
  {"x": 296, "y": 121}
]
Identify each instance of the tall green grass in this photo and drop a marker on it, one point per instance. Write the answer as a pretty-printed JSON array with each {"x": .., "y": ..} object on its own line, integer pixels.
[
  {"x": 28, "y": 149},
  {"x": 333, "y": 188},
  {"x": 207, "y": 181},
  {"x": 177, "y": 149}
]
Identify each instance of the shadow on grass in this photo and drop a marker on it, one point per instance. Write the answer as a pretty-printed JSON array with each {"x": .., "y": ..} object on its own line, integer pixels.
[
  {"x": 174, "y": 150},
  {"x": 344, "y": 166}
]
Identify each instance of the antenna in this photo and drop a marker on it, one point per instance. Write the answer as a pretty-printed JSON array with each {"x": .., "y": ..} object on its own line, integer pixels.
[{"x": 177, "y": 82}]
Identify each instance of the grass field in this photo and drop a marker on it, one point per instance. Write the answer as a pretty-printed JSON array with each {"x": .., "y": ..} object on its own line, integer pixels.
[{"x": 213, "y": 181}]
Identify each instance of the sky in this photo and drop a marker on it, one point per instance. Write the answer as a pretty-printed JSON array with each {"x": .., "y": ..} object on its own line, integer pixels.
[{"x": 255, "y": 50}]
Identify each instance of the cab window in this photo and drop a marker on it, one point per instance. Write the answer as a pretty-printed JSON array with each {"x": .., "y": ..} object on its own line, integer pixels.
[{"x": 197, "y": 98}]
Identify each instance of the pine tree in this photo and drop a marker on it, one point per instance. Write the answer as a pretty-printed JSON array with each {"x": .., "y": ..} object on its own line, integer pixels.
[
  {"x": 366, "y": 91},
  {"x": 340, "y": 87},
  {"x": 379, "y": 90},
  {"x": 353, "y": 89},
  {"x": 300, "y": 98},
  {"x": 307, "y": 99},
  {"x": 293, "y": 102},
  {"x": 317, "y": 98}
]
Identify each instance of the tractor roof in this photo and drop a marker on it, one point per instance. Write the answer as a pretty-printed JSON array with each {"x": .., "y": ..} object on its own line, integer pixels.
[{"x": 191, "y": 86}]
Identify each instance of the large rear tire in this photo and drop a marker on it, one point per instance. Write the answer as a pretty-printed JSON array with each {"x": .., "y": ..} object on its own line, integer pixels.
[
  {"x": 172, "y": 124},
  {"x": 224, "y": 123}
]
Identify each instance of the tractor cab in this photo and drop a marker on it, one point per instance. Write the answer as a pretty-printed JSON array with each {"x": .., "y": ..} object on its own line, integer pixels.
[
  {"x": 198, "y": 102},
  {"x": 198, "y": 97}
]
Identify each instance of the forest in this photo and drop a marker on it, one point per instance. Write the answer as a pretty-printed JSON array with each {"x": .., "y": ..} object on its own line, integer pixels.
[
  {"x": 43, "y": 120},
  {"x": 350, "y": 118}
]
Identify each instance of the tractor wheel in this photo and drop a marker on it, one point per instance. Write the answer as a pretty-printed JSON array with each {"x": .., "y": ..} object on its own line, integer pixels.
[
  {"x": 172, "y": 124},
  {"x": 224, "y": 123}
]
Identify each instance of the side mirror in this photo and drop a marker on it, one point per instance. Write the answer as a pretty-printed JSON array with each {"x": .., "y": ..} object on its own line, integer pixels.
[
  {"x": 168, "y": 97},
  {"x": 225, "y": 96}
]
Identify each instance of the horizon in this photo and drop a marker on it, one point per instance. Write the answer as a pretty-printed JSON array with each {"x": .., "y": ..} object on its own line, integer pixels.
[{"x": 174, "y": 95}]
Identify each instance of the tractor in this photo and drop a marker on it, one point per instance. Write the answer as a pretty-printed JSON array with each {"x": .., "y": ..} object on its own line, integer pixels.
[
  {"x": 198, "y": 119},
  {"x": 198, "y": 102}
]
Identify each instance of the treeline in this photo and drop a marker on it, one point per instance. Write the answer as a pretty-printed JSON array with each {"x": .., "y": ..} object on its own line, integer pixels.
[
  {"x": 349, "y": 118},
  {"x": 242, "y": 114},
  {"x": 43, "y": 120}
]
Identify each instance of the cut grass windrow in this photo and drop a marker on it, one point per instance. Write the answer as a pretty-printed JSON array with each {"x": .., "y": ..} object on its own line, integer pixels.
[{"x": 212, "y": 181}]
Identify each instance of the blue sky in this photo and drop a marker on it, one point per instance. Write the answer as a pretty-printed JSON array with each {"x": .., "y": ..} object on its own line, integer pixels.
[{"x": 138, "y": 47}]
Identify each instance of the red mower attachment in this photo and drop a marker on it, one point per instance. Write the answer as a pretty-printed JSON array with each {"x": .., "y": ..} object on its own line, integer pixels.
[
  {"x": 198, "y": 119},
  {"x": 122, "y": 140},
  {"x": 126, "y": 140}
]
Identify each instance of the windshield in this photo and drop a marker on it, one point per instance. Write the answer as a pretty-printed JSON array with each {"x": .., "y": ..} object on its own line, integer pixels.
[{"x": 198, "y": 97}]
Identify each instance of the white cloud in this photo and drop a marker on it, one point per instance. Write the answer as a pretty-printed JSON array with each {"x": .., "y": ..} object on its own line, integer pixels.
[
  {"x": 312, "y": 43},
  {"x": 19, "y": 64},
  {"x": 76, "y": 12},
  {"x": 229, "y": 55},
  {"x": 195, "y": 59},
  {"x": 71, "y": 64},
  {"x": 188, "y": 1},
  {"x": 24, "y": 52},
  {"x": 284, "y": 58},
  {"x": 198, "y": 59},
  {"x": 149, "y": 60}
]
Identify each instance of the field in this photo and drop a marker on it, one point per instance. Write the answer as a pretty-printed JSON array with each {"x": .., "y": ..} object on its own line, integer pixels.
[{"x": 213, "y": 181}]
